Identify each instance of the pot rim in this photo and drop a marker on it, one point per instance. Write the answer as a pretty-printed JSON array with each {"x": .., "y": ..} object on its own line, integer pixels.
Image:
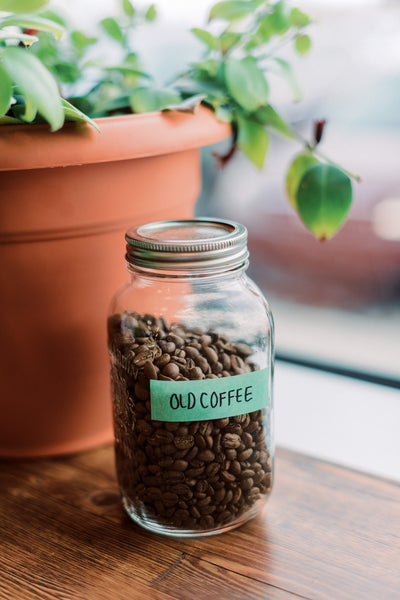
[{"x": 122, "y": 137}]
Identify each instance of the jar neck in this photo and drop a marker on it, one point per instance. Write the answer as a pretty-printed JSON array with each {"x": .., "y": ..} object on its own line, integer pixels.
[{"x": 188, "y": 275}]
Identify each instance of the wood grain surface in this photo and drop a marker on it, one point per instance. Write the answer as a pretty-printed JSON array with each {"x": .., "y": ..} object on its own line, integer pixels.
[{"x": 327, "y": 533}]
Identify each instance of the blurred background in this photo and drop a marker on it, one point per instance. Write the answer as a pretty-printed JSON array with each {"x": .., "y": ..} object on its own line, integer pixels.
[{"x": 336, "y": 304}]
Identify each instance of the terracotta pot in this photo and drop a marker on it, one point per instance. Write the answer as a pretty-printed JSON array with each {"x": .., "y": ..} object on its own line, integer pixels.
[{"x": 66, "y": 201}]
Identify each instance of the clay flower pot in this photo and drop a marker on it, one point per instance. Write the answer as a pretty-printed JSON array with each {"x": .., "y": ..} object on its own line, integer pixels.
[{"x": 66, "y": 200}]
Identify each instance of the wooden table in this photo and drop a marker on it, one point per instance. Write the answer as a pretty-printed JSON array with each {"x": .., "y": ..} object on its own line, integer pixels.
[{"x": 326, "y": 533}]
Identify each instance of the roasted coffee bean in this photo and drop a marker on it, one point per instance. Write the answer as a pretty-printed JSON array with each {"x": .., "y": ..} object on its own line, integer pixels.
[
  {"x": 202, "y": 363},
  {"x": 196, "y": 373},
  {"x": 231, "y": 440},
  {"x": 210, "y": 355},
  {"x": 162, "y": 361},
  {"x": 191, "y": 352},
  {"x": 183, "y": 491},
  {"x": 180, "y": 465},
  {"x": 169, "y": 498},
  {"x": 184, "y": 441},
  {"x": 206, "y": 455},
  {"x": 206, "y": 522},
  {"x": 212, "y": 469},
  {"x": 196, "y": 475},
  {"x": 246, "y": 484},
  {"x": 170, "y": 370},
  {"x": 245, "y": 454},
  {"x": 205, "y": 340},
  {"x": 150, "y": 370}
]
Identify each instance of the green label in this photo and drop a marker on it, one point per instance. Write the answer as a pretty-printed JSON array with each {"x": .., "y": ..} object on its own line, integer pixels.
[{"x": 209, "y": 398}]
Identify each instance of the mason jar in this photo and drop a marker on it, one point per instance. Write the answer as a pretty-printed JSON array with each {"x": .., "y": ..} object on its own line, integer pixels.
[{"x": 190, "y": 340}]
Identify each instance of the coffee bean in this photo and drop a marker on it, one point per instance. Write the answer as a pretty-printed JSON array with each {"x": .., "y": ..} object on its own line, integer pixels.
[
  {"x": 206, "y": 522},
  {"x": 184, "y": 441},
  {"x": 183, "y": 491},
  {"x": 171, "y": 370},
  {"x": 210, "y": 355},
  {"x": 176, "y": 339},
  {"x": 195, "y": 472},
  {"x": 169, "y": 498},
  {"x": 245, "y": 454},
  {"x": 205, "y": 340},
  {"x": 180, "y": 465},
  {"x": 195, "y": 512},
  {"x": 167, "y": 347},
  {"x": 149, "y": 370},
  {"x": 192, "y": 352},
  {"x": 196, "y": 373},
  {"x": 228, "y": 477},
  {"x": 212, "y": 469},
  {"x": 206, "y": 455},
  {"x": 235, "y": 468},
  {"x": 246, "y": 484},
  {"x": 181, "y": 514},
  {"x": 224, "y": 517},
  {"x": 244, "y": 350},
  {"x": 231, "y": 440},
  {"x": 162, "y": 361},
  {"x": 202, "y": 363},
  {"x": 173, "y": 476},
  {"x": 196, "y": 475}
]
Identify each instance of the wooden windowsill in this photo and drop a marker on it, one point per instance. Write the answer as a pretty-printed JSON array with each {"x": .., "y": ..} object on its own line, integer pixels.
[{"x": 327, "y": 533}]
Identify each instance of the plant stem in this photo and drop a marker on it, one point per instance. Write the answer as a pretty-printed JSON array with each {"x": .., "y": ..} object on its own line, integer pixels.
[{"x": 314, "y": 150}]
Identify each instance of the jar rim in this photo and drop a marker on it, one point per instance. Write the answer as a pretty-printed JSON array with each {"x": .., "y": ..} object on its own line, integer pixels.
[{"x": 198, "y": 245}]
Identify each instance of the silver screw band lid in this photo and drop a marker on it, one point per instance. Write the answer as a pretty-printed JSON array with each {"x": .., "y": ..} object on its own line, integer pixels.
[{"x": 199, "y": 245}]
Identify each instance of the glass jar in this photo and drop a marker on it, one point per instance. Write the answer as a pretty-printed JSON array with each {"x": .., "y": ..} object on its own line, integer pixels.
[{"x": 190, "y": 339}]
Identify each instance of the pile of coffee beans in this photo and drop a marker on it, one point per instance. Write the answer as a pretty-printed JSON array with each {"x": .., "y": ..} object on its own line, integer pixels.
[{"x": 196, "y": 475}]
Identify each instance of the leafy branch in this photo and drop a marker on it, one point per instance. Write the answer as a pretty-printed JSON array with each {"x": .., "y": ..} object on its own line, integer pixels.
[{"x": 51, "y": 72}]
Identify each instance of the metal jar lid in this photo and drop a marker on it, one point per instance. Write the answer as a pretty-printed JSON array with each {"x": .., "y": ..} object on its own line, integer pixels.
[{"x": 192, "y": 245}]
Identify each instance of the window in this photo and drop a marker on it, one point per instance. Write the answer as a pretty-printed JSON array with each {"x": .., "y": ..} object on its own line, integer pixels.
[{"x": 336, "y": 303}]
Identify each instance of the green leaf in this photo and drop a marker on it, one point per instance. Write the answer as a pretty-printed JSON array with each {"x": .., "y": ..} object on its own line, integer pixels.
[
  {"x": 128, "y": 8},
  {"x": 191, "y": 87},
  {"x": 246, "y": 83},
  {"x": 207, "y": 38},
  {"x": 35, "y": 83},
  {"x": 126, "y": 70},
  {"x": 298, "y": 18},
  {"x": 28, "y": 40},
  {"x": 324, "y": 198},
  {"x": 187, "y": 105},
  {"x": 302, "y": 44},
  {"x": 231, "y": 10},
  {"x": 5, "y": 91},
  {"x": 22, "y": 6},
  {"x": 252, "y": 140},
  {"x": 302, "y": 163},
  {"x": 209, "y": 66},
  {"x": 81, "y": 41},
  {"x": 151, "y": 13},
  {"x": 72, "y": 113},
  {"x": 54, "y": 16},
  {"x": 278, "y": 19},
  {"x": 228, "y": 40},
  {"x": 9, "y": 121},
  {"x": 146, "y": 99},
  {"x": 30, "y": 22},
  {"x": 287, "y": 72},
  {"x": 268, "y": 116},
  {"x": 264, "y": 32},
  {"x": 112, "y": 28},
  {"x": 30, "y": 110}
]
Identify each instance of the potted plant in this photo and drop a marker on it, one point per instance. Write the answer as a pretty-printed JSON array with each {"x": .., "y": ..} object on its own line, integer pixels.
[{"x": 88, "y": 148}]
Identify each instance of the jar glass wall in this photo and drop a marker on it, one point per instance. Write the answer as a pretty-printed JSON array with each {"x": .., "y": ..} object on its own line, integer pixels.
[{"x": 191, "y": 354}]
